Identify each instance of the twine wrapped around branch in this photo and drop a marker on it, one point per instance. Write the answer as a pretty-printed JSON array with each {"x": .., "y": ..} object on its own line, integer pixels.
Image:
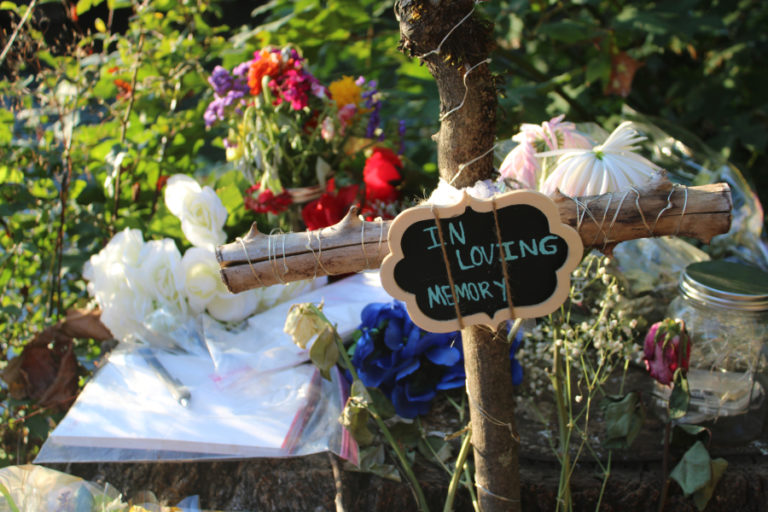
[{"x": 354, "y": 245}]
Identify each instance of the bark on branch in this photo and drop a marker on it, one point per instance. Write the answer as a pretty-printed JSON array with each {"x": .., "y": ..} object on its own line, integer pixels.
[{"x": 354, "y": 245}]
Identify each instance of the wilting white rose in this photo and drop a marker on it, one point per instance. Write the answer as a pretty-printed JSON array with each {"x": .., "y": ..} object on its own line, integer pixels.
[
  {"x": 200, "y": 210},
  {"x": 159, "y": 275}
]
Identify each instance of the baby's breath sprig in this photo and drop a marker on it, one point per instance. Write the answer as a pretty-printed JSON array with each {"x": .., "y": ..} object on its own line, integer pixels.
[{"x": 571, "y": 354}]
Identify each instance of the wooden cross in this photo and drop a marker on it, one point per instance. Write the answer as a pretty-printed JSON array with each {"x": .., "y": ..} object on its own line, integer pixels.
[{"x": 455, "y": 46}]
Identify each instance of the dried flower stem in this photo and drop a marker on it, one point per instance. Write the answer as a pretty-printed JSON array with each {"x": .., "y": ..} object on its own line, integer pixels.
[{"x": 406, "y": 467}]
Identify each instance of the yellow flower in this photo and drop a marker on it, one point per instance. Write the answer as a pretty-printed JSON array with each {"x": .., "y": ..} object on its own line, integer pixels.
[
  {"x": 345, "y": 92},
  {"x": 234, "y": 153}
]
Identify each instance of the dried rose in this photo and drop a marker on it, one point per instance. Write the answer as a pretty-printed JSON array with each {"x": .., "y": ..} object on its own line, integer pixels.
[
  {"x": 667, "y": 349},
  {"x": 304, "y": 322}
]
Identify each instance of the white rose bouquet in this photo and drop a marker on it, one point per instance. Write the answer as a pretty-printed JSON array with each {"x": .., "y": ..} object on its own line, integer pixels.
[{"x": 150, "y": 286}]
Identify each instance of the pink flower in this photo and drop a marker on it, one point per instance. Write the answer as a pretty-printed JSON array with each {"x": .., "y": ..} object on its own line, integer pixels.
[
  {"x": 522, "y": 165},
  {"x": 667, "y": 348},
  {"x": 347, "y": 114}
]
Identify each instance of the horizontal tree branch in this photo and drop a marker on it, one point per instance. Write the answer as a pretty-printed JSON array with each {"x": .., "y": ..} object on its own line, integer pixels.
[{"x": 354, "y": 245}]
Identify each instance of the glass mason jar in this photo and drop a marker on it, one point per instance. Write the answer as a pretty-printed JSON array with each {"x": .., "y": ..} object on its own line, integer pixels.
[{"x": 725, "y": 308}]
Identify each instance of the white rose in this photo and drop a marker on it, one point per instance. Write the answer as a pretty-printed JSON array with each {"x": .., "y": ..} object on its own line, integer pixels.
[
  {"x": 121, "y": 252},
  {"x": 201, "y": 275},
  {"x": 125, "y": 312},
  {"x": 159, "y": 275},
  {"x": 233, "y": 307},
  {"x": 108, "y": 272},
  {"x": 200, "y": 210},
  {"x": 205, "y": 289}
]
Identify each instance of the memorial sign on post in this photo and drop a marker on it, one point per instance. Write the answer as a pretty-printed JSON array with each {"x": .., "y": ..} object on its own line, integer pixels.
[{"x": 481, "y": 261}]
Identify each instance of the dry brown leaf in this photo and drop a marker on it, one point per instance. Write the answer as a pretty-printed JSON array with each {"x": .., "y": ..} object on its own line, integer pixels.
[
  {"x": 47, "y": 370},
  {"x": 85, "y": 323}
]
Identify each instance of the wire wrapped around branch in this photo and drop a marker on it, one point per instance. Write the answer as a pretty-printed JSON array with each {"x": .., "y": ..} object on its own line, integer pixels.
[{"x": 354, "y": 245}]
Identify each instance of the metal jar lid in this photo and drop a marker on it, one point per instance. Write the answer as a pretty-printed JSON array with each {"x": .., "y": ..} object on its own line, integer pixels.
[{"x": 726, "y": 285}]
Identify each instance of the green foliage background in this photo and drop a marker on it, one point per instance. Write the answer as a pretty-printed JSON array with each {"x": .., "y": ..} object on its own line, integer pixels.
[{"x": 81, "y": 160}]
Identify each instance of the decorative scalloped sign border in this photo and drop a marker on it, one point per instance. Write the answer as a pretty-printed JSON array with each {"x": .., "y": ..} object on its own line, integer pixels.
[{"x": 481, "y": 261}]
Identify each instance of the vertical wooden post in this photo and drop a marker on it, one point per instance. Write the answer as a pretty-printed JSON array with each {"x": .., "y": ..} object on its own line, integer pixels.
[{"x": 455, "y": 43}]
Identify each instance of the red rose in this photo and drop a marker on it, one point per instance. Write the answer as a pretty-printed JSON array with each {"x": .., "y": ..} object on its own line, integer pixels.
[
  {"x": 667, "y": 348},
  {"x": 382, "y": 175},
  {"x": 330, "y": 208},
  {"x": 266, "y": 201}
]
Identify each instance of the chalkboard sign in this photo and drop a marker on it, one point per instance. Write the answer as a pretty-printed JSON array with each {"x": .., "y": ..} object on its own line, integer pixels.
[{"x": 445, "y": 263}]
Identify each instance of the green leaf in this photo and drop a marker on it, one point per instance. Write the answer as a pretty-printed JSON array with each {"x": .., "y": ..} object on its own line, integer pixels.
[
  {"x": 569, "y": 31},
  {"x": 702, "y": 496},
  {"x": 83, "y": 6},
  {"x": 99, "y": 25},
  {"x": 324, "y": 353},
  {"x": 381, "y": 403},
  {"x": 354, "y": 418},
  {"x": 9, "y": 6},
  {"x": 372, "y": 461},
  {"x": 434, "y": 446},
  {"x": 407, "y": 434},
  {"x": 694, "y": 470},
  {"x": 623, "y": 417},
  {"x": 680, "y": 397},
  {"x": 7, "y": 495}
]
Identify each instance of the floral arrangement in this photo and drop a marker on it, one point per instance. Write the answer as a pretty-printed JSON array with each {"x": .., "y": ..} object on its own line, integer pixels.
[
  {"x": 557, "y": 156},
  {"x": 137, "y": 283},
  {"x": 300, "y": 142}
]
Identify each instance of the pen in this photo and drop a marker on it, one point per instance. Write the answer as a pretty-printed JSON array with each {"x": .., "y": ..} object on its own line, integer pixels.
[{"x": 179, "y": 391}]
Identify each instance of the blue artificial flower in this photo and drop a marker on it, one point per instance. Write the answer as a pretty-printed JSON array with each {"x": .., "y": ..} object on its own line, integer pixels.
[{"x": 410, "y": 365}]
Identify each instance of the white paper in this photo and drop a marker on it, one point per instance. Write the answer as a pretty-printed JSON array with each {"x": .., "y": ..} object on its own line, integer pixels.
[{"x": 126, "y": 405}]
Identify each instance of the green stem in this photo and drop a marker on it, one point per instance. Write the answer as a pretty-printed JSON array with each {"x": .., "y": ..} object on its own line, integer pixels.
[
  {"x": 607, "y": 474},
  {"x": 7, "y": 496},
  {"x": 466, "y": 444},
  {"x": 472, "y": 495},
  {"x": 124, "y": 129},
  {"x": 422, "y": 501},
  {"x": 564, "y": 491}
]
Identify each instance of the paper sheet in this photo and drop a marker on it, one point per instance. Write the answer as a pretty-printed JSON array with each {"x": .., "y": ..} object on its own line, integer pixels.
[{"x": 126, "y": 406}]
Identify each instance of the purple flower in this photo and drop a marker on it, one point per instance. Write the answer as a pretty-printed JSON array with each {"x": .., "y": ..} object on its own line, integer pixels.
[
  {"x": 372, "y": 103},
  {"x": 221, "y": 81},
  {"x": 227, "y": 91}
]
